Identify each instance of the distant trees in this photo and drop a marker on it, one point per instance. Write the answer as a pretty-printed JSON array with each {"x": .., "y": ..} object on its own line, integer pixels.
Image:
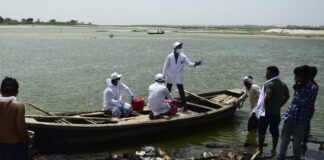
[
  {"x": 39, "y": 22},
  {"x": 1, "y": 20}
]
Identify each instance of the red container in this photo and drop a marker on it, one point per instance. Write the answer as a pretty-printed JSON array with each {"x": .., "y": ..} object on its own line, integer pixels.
[
  {"x": 138, "y": 104},
  {"x": 174, "y": 107}
]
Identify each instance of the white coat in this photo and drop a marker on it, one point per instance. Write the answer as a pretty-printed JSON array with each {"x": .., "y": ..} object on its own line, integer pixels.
[
  {"x": 157, "y": 94},
  {"x": 173, "y": 71},
  {"x": 113, "y": 95}
]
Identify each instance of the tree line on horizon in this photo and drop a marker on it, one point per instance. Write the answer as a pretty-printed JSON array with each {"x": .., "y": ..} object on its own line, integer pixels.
[{"x": 10, "y": 21}]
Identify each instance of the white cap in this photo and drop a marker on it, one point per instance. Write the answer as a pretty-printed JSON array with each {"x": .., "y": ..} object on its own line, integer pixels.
[
  {"x": 115, "y": 75},
  {"x": 159, "y": 78},
  {"x": 248, "y": 80},
  {"x": 176, "y": 44}
]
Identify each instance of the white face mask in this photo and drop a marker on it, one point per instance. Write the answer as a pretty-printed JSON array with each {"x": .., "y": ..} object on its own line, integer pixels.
[{"x": 178, "y": 50}]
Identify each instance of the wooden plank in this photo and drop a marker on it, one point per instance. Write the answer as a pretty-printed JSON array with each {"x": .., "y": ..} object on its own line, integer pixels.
[
  {"x": 71, "y": 118},
  {"x": 200, "y": 106}
]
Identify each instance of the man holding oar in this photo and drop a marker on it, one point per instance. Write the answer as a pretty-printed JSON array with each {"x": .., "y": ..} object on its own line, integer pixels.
[
  {"x": 14, "y": 138},
  {"x": 174, "y": 67}
]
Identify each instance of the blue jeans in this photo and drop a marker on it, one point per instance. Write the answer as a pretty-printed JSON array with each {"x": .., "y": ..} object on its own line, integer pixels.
[
  {"x": 121, "y": 110},
  {"x": 297, "y": 132}
]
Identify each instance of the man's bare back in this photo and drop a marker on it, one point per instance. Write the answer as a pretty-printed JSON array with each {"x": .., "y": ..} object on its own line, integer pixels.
[{"x": 12, "y": 123}]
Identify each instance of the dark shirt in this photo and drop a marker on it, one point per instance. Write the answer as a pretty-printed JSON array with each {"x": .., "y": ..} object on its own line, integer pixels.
[
  {"x": 278, "y": 89},
  {"x": 176, "y": 55}
]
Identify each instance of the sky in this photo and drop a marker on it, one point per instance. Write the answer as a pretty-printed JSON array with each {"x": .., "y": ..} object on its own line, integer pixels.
[{"x": 170, "y": 12}]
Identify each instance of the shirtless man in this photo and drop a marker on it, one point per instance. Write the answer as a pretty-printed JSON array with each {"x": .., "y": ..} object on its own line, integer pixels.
[{"x": 14, "y": 138}]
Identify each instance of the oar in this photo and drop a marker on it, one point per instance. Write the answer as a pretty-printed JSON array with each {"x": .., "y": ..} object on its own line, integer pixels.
[
  {"x": 202, "y": 98},
  {"x": 47, "y": 112},
  {"x": 41, "y": 109}
]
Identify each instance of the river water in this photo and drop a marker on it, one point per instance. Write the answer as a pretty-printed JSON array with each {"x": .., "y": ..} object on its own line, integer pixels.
[{"x": 65, "y": 68}]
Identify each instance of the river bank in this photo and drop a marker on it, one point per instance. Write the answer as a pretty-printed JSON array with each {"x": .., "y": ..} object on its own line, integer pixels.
[
  {"x": 105, "y": 31},
  {"x": 211, "y": 151}
]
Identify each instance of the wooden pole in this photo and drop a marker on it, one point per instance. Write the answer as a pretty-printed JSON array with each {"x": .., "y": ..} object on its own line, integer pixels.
[
  {"x": 41, "y": 109},
  {"x": 70, "y": 117},
  {"x": 48, "y": 113},
  {"x": 202, "y": 98}
]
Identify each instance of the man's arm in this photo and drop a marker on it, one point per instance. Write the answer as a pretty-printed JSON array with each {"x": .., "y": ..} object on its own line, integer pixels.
[
  {"x": 21, "y": 124},
  {"x": 168, "y": 95},
  {"x": 166, "y": 66},
  {"x": 286, "y": 96},
  {"x": 268, "y": 92},
  {"x": 188, "y": 62},
  {"x": 128, "y": 91}
]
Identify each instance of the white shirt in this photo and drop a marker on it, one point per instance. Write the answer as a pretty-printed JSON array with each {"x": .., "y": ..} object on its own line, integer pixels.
[
  {"x": 112, "y": 94},
  {"x": 173, "y": 71},
  {"x": 253, "y": 94},
  {"x": 157, "y": 94}
]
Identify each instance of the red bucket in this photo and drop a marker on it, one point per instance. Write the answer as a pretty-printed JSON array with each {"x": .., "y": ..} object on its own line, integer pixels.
[
  {"x": 138, "y": 104},
  {"x": 174, "y": 107}
]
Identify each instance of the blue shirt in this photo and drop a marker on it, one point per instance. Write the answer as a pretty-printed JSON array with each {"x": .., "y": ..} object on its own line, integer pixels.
[{"x": 301, "y": 105}]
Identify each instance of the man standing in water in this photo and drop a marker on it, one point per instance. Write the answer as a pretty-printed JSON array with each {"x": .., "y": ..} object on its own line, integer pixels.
[
  {"x": 252, "y": 91},
  {"x": 273, "y": 95},
  {"x": 173, "y": 70},
  {"x": 14, "y": 138}
]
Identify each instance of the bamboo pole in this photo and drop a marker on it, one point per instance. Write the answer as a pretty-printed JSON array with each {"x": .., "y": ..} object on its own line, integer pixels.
[
  {"x": 202, "y": 98},
  {"x": 41, "y": 109},
  {"x": 47, "y": 112}
]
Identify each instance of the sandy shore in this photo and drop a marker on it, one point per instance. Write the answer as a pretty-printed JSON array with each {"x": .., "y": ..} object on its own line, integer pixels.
[{"x": 296, "y": 31}]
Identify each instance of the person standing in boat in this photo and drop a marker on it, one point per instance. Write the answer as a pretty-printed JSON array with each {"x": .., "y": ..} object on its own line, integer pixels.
[
  {"x": 14, "y": 138},
  {"x": 112, "y": 102},
  {"x": 174, "y": 67},
  {"x": 156, "y": 99}
]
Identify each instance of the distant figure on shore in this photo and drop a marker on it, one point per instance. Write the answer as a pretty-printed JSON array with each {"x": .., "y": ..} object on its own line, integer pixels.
[
  {"x": 273, "y": 95},
  {"x": 156, "y": 99},
  {"x": 112, "y": 102},
  {"x": 14, "y": 138},
  {"x": 252, "y": 91},
  {"x": 312, "y": 75},
  {"x": 298, "y": 114},
  {"x": 173, "y": 70}
]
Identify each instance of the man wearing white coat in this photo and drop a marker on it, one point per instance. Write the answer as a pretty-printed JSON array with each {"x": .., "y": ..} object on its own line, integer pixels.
[
  {"x": 112, "y": 101},
  {"x": 174, "y": 67},
  {"x": 156, "y": 99}
]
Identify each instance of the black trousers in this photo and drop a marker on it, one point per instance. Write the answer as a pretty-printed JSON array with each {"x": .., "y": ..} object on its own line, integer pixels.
[{"x": 181, "y": 93}]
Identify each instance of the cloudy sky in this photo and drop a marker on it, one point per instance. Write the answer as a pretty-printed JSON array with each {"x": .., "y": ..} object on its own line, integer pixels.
[{"x": 170, "y": 12}]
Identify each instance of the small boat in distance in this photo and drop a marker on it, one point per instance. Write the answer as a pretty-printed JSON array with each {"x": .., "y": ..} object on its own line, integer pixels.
[
  {"x": 159, "y": 31},
  {"x": 95, "y": 126}
]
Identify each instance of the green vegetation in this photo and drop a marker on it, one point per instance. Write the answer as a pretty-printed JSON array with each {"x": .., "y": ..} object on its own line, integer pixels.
[{"x": 9, "y": 21}]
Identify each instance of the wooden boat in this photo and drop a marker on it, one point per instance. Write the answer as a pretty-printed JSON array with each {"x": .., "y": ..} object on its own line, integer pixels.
[{"x": 95, "y": 126}]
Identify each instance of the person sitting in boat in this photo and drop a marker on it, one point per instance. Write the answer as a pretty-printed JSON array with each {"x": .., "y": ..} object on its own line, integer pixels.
[
  {"x": 156, "y": 100},
  {"x": 112, "y": 102},
  {"x": 14, "y": 138}
]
